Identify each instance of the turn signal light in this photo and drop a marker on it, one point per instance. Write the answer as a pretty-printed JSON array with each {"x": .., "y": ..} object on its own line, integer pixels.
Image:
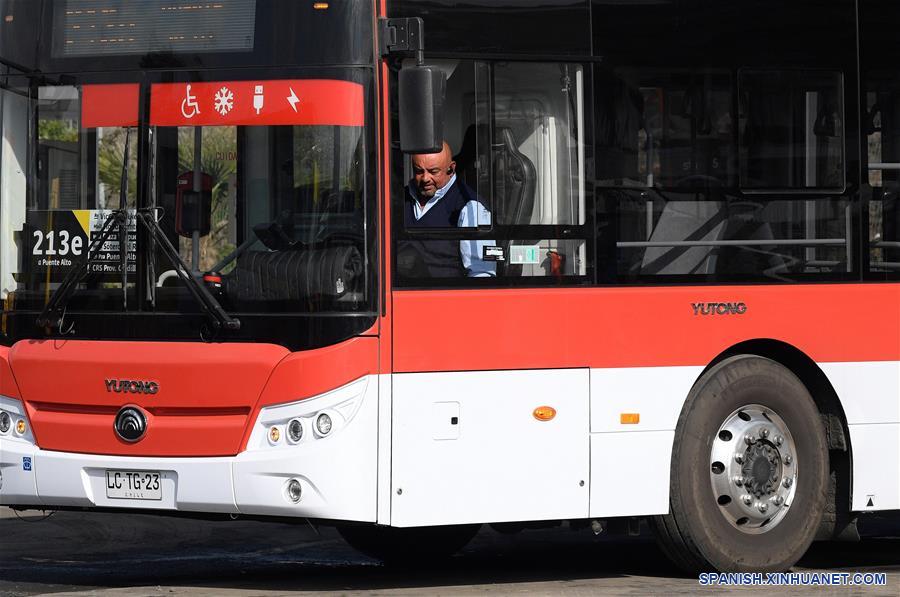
[
  {"x": 20, "y": 427},
  {"x": 630, "y": 418},
  {"x": 544, "y": 413},
  {"x": 274, "y": 435}
]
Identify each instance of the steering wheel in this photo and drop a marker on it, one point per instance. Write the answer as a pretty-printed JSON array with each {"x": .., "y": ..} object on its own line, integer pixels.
[{"x": 698, "y": 180}]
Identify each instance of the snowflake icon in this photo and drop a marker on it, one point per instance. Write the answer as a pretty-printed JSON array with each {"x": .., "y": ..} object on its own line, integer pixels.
[{"x": 224, "y": 101}]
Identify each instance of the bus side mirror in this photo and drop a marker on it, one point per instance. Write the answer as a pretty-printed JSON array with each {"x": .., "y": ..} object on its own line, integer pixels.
[{"x": 421, "y": 92}]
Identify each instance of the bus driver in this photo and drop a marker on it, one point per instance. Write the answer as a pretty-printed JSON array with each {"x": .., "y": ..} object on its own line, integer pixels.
[{"x": 436, "y": 199}]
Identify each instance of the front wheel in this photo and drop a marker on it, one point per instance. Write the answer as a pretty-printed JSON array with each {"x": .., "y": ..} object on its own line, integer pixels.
[{"x": 749, "y": 471}]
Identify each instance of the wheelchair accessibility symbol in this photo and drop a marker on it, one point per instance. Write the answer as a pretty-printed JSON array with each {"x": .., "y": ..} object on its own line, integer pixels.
[{"x": 189, "y": 105}]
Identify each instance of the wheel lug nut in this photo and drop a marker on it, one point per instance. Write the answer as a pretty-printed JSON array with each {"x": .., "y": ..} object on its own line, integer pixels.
[
  {"x": 738, "y": 481},
  {"x": 763, "y": 433},
  {"x": 788, "y": 459},
  {"x": 787, "y": 482},
  {"x": 778, "y": 500},
  {"x": 779, "y": 440},
  {"x": 739, "y": 458},
  {"x": 762, "y": 507},
  {"x": 750, "y": 440},
  {"x": 747, "y": 500}
]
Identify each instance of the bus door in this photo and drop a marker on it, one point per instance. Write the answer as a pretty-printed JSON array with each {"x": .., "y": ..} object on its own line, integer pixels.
[{"x": 483, "y": 428}]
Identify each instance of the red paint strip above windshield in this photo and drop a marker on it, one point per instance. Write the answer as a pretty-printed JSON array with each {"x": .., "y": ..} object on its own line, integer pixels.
[
  {"x": 248, "y": 103},
  {"x": 109, "y": 105}
]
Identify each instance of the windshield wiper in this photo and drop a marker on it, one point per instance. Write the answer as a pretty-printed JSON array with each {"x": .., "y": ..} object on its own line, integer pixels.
[
  {"x": 54, "y": 312},
  {"x": 211, "y": 307}
]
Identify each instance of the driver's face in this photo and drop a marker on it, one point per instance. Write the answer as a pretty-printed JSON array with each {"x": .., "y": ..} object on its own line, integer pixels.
[{"x": 431, "y": 171}]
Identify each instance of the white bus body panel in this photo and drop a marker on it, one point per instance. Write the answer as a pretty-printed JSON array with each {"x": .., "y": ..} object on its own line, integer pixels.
[
  {"x": 630, "y": 462},
  {"x": 337, "y": 473},
  {"x": 656, "y": 393},
  {"x": 630, "y": 473},
  {"x": 870, "y": 396},
  {"x": 496, "y": 462}
]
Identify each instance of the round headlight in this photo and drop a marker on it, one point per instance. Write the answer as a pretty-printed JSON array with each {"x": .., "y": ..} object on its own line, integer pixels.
[
  {"x": 295, "y": 430},
  {"x": 5, "y": 421},
  {"x": 323, "y": 424},
  {"x": 294, "y": 490}
]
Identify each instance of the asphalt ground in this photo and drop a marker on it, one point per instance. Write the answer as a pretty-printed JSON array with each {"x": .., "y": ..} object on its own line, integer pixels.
[{"x": 109, "y": 555}]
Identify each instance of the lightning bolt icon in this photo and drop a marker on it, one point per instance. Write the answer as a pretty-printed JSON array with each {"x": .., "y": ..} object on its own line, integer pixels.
[{"x": 293, "y": 99}]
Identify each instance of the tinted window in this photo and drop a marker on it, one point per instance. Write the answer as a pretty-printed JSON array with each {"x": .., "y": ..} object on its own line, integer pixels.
[
  {"x": 791, "y": 130},
  {"x": 546, "y": 27},
  {"x": 695, "y": 169},
  {"x": 158, "y": 34},
  {"x": 880, "y": 53}
]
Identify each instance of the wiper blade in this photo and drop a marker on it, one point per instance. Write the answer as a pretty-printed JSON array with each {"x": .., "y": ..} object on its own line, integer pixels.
[
  {"x": 117, "y": 221},
  {"x": 211, "y": 307},
  {"x": 54, "y": 312},
  {"x": 55, "y": 309}
]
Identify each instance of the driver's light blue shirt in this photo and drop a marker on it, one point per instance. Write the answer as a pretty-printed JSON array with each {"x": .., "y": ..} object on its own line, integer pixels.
[{"x": 473, "y": 214}]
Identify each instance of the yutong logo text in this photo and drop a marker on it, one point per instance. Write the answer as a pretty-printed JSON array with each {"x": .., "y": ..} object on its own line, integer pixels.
[
  {"x": 719, "y": 308},
  {"x": 130, "y": 386}
]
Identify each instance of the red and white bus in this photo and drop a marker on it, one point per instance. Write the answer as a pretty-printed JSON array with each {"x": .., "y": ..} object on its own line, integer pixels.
[{"x": 692, "y": 315}]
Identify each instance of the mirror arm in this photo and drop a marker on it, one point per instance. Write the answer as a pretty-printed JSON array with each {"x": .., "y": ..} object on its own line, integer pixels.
[{"x": 397, "y": 36}]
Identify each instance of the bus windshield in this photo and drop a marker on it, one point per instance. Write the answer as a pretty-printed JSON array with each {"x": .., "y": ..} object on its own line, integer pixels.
[{"x": 259, "y": 185}]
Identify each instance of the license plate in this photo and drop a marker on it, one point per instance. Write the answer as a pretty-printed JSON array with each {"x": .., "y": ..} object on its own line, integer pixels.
[{"x": 133, "y": 485}]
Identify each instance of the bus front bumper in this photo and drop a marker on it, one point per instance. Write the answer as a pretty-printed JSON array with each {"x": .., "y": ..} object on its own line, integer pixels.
[{"x": 336, "y": 473}]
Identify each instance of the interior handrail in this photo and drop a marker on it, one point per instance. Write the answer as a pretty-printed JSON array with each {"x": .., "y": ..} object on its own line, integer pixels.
[{"x": 809, "y": 242}]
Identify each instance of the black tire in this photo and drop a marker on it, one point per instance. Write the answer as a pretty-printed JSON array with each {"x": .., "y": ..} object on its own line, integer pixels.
[
  {"x": 399, "y": 546},
  {"x": 697, "y": 534}
]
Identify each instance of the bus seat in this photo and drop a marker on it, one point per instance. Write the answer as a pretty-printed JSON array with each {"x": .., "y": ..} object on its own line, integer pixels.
[
  {"x": 685, "y": 221},
  {"x": 515, "y": 179},
  {"x": 467, "y": 158}
]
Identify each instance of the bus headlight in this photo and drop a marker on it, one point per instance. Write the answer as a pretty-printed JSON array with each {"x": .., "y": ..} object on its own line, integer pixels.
[
  {"x": 323, "y": 424},
  {"x": 5, "y": 421},
  {"x": 295, "y": 430}
]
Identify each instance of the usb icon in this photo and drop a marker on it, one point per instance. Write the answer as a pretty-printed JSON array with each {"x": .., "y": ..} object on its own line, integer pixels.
[{"x": 258, "y": 98}]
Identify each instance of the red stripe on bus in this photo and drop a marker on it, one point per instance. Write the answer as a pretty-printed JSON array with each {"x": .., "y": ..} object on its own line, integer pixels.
[
  {"x": 8, "y": 385},
  {"x": 249, "y": 103},
  {"x": 109, "y": 105},
  {"x": 470, "y": 330}
]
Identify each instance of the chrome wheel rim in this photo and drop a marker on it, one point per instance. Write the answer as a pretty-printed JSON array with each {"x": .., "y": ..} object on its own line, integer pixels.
[{"x": 753, "y": 469}]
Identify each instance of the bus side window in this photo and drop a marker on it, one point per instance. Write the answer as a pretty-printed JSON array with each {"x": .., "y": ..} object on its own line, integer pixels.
[
  {"x": 517, "y": 134},
  {"x": 689, "y": 190}
]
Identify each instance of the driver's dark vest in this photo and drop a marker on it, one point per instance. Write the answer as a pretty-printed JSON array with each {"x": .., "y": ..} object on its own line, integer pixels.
[{"x": 433, "y": 258}]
